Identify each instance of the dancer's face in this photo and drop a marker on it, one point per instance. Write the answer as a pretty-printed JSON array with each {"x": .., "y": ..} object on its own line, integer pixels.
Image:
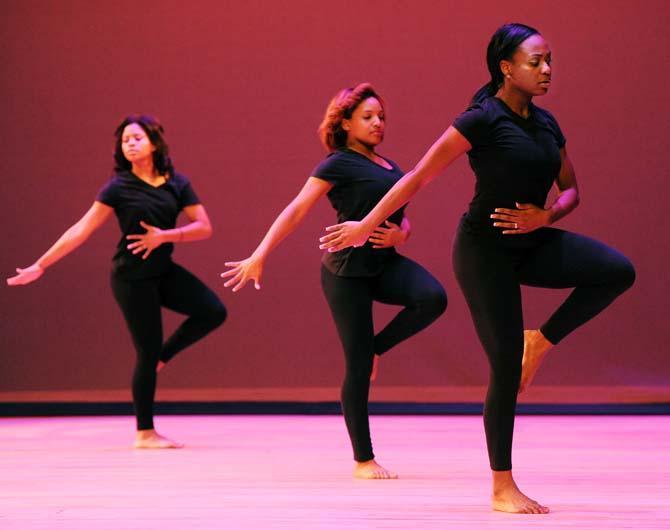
[
  {"x": 135, "y": 143},
  {"x": 530, "y": 68},
  {"x": 367, "y": 123}
]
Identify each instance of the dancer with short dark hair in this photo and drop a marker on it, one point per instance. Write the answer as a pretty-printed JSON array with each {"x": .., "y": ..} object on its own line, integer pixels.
[{"x": 355, "y": 177}]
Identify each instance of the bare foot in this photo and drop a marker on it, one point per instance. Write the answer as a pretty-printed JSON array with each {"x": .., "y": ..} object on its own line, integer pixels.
[
  {"x": 507, "y": 496},
  {"x": 535, "y": 347},
  {"x": 375, "y": 367},
  {"x": 150, "y": 439},
  {"x": 159, "y": 366},
  {"x": 371, "y": 469}
]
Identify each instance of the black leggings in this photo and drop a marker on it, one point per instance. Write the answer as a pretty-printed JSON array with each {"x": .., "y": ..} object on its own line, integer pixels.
[
  {"x": 490, "y": 274},
  {"x": 402, "y": 282},
  {"x": 141, "y": 301}
]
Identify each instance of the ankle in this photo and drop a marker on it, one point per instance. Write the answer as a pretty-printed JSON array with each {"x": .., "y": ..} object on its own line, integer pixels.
[{"x": 143, "y": 434}]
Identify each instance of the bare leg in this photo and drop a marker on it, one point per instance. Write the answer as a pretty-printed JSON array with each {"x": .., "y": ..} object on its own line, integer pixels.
[
  {"x": 150, "y": 439},
  {"x": 371, "y": 469},
  {"x": 375, "y": 367},
  {"x": 535, "y": 347},
  {"x": 507, "y": 496}
]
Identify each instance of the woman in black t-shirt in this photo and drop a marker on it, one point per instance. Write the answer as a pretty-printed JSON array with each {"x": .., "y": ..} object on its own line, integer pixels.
[
  {"x": 517, "y": 152},
  {"x": 355, "y": 177},
  {"x": 147, "y": 196}
]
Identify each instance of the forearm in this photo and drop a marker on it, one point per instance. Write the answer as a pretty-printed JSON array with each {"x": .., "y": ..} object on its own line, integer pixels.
[
  {"x": 70, "y": 240},
  {"x": 401, "y": 192},
  {"x": 567, "y": 201},
  {"x": 194, "y": 231},
  {"x": 285, "y": 223}
]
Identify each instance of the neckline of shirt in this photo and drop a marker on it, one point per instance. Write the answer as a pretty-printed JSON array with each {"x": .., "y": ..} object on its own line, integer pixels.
[
  {"x": 132, "y": 175},
  {"x": 531, "y": 111},
  {"x": 347, "y": 150}
]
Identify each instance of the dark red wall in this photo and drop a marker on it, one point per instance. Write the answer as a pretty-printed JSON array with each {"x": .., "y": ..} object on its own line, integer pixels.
[{"x": 241, "y": 88}]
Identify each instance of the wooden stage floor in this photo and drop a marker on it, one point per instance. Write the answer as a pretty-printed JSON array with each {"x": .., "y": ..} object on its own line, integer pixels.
[{"x": 281, "y": 472}]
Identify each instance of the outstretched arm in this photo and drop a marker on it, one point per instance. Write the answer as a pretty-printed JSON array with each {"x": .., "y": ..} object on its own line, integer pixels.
[
  {"x": 443, "y": 152},
  {"x": 529, "y": 217},
  {"x": 287, "y": 221},
  {"x": 198, "y": 228},
  {"x": 71, "y": 239}
]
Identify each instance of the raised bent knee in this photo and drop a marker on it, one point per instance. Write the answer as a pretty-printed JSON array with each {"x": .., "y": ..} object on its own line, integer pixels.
[
  {"x": 627, "y": 275},
  {"x": 218, "y": 315},
  {"x": 435, "y": 303}
]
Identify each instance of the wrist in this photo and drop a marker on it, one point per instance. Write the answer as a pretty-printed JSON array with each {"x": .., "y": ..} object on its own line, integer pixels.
[
  {"x": 258, "y": 255},
  {"x": 549, "y": 215}
]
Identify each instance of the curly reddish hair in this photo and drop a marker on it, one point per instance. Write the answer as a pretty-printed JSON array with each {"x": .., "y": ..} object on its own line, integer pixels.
[{"x": 341, "y": 107}]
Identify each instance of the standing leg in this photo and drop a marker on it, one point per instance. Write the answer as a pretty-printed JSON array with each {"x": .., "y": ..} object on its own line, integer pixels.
[
  {"x": 140, "y": 304},
  {"x": 598, "y": 273},
  {"x": 486, "y": 276},
  {"x": 184, "y": 293},
  {"x": 405, "y": 282},
  {"x": 351, "y": 306}
]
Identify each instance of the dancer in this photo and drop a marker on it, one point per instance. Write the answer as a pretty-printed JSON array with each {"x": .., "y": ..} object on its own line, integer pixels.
[
  {"x": 517, "y": 151},
  {"x": 147, "y": 196},
  {"x": 355, "y": 177}
]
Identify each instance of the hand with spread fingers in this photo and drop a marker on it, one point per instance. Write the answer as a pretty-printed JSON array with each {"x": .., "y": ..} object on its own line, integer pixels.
[
  {"x": 242, "y": 272},
  {"x": 525, "y": 219},
  {"x": 147, "y": 242},
  {"x": 344, "y": 235},
  {"x": 391, "y": 235}
]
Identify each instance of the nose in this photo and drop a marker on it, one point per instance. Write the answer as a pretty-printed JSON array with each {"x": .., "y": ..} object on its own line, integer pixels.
[{"x": 546, "y": 68}]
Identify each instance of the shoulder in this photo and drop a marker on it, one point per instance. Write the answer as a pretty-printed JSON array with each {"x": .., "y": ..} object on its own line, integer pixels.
[
  {"x": 180, "y": 179},
  {"x": 543, "y": 115},
  {"x": 117, "y": 180},
  {"x": 180, "y": 182},
  {"x": 333, "y": 163},
  {"x": 110, "y": 190},
  {"x": 474, "y": 123},
  {"x": 546, "y": 119}
]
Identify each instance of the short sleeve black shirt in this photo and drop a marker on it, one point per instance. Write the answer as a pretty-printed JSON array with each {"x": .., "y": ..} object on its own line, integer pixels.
[
  {"x": 358, "y": 185},
  {"x": 133, "y": 201},
  {"x": 515, "y": 159}
]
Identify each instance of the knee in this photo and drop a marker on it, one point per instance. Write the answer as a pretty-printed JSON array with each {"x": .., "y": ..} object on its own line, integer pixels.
[
  {"x": 626, "y": 274},
  {"x": 218, "y": 314},
  {"x": 434, "y": 302},
  {"x": 358, "y": 374}
]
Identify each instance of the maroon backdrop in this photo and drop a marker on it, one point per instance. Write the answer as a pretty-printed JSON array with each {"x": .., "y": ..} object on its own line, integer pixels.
[{"x": 241, "y": 88}]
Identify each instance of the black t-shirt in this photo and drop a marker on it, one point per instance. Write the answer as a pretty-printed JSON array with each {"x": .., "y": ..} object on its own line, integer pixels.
[
  {"x": 358, "y": 185},
  {"x": 514, "y": 159},
  {"x": 133, "y": 201}
]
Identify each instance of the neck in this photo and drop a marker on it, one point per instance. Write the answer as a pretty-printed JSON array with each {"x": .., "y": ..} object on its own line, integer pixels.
[
  {"x": 362, "y": 148},
  {"x": 144, "y": 168},
  {"x": 519, "y": 102}
]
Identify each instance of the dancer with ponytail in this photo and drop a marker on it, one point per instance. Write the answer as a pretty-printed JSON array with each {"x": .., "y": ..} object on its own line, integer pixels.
[
  {"x": 355, "y": 177},
  {"x": 147, "y": 195},
  {"x": 517, "y": 151}
]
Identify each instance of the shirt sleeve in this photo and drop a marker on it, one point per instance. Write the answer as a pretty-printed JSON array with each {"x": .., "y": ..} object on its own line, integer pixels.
[
  {"x": 187, "y": 196},
  {"x": 108, "y": 194},
  {"x": 474, "y": 125},
  {"x": 329, "y": 170},
  {"x": 555, "y": 129}
]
